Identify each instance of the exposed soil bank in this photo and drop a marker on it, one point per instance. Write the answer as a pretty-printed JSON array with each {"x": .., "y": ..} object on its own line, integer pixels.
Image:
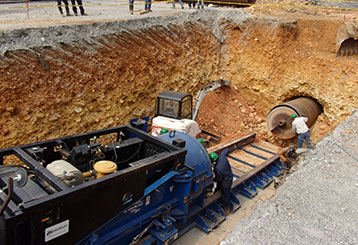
[{"x": 70, "y": 79}]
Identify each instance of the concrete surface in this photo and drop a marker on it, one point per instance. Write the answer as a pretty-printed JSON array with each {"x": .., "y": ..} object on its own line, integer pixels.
[{"x": 317, "y": 204}]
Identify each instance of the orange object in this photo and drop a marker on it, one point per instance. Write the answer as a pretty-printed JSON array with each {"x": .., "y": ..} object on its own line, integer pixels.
[
  {"x": 87, "y": 174},
  {"x": 104, "y": 168}
]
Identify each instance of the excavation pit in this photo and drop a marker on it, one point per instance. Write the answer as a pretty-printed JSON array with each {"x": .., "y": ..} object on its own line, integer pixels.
[{"x": 64, "y": 80}]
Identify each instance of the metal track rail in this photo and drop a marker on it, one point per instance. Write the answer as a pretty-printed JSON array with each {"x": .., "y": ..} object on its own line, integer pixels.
[{"x": 254, "y": 163}]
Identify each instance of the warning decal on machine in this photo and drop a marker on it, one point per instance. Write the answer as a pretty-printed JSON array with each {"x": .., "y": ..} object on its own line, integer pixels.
[{"x": 56, "y": 230}]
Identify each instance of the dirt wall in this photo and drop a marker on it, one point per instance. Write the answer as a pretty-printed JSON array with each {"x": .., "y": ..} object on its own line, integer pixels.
[
  {"x": 271, "y": 61},
  {"x": 75, "y": 86}
]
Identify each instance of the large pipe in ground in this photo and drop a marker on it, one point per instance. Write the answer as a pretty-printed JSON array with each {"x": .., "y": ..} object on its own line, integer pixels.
[{"x": 279, "y": 120}]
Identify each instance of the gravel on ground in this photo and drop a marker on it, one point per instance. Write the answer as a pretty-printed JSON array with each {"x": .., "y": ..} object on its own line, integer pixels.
[
  {"x": 317, "y": 204},
  {"x": 47, "y": 28}
]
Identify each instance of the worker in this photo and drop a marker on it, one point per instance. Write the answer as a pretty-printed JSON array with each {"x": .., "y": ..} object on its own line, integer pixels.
[
  {"x": 80, "y": 5},
  {"x": 66, "y": 7},
  {"x": 180, "y": 2},
  {"x": 131, "y": 6},
  {"x": 299, "y": 126},
  {"x": 147, "y": 6},
  {"x": 200, "y": 3},
  {"x": 191, "y": 3},
  {"x": 163, "y": 131},
  {"x": 223, "y": 177}
]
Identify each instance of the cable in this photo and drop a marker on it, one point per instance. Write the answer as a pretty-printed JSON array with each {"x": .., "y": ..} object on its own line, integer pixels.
[
  {"x": 114, "y": 149},
  {"x": 132, "y": 155}
]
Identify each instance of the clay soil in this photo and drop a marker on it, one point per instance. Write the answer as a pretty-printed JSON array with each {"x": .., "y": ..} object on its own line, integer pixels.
[
  {"x": 278, "y": 54},
  {"x": 307, "y": 54}
]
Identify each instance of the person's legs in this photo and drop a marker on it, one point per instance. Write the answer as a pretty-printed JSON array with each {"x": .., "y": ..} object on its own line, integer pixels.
[
  {"x": 74, "y": 9},
  {"x": 300, "y": 140},
  {"x": 225, "y": 195},
  {"x": 67, "y": 8},
  {"x": 181, "y": 3},
  {"x": 131, "y": 7},
  {"x": 147, "y": 4},
  {"x": 82, "y": 9},
  {"x": 59, "y": 6},
  {"x": 308, "y": 140},
  {"x": 226, "y": 192}
]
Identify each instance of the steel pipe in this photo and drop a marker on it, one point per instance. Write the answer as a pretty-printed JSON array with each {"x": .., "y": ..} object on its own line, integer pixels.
[{"x": 279, "y": 118}]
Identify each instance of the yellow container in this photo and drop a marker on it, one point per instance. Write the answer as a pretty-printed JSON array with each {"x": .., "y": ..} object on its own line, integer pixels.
[{"x": 104, "y": 168}]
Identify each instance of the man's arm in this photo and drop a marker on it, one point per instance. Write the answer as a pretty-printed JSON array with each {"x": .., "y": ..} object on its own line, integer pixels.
[{"x": 293, "y": 129}]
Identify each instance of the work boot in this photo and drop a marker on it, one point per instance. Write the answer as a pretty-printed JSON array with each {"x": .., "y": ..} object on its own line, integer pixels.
[
  {"x": 68, "y": 12},
  {"x": 131, "y": 9}
]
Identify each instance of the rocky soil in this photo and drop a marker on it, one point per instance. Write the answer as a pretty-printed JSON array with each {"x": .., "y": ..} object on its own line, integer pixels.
[
  {"x": 63, "y": 80},
  {"x": 74, "y": 75},
  {"x": 317, "y": 204}
]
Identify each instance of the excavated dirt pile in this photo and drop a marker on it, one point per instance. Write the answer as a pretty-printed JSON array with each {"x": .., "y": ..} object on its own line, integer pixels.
[
  {"x": 65, "y": 80},
  {"x": 227, "y": 114}
]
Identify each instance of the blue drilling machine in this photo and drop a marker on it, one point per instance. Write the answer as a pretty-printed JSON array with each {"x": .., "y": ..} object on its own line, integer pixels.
[{"x": 120, "y": 186}]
